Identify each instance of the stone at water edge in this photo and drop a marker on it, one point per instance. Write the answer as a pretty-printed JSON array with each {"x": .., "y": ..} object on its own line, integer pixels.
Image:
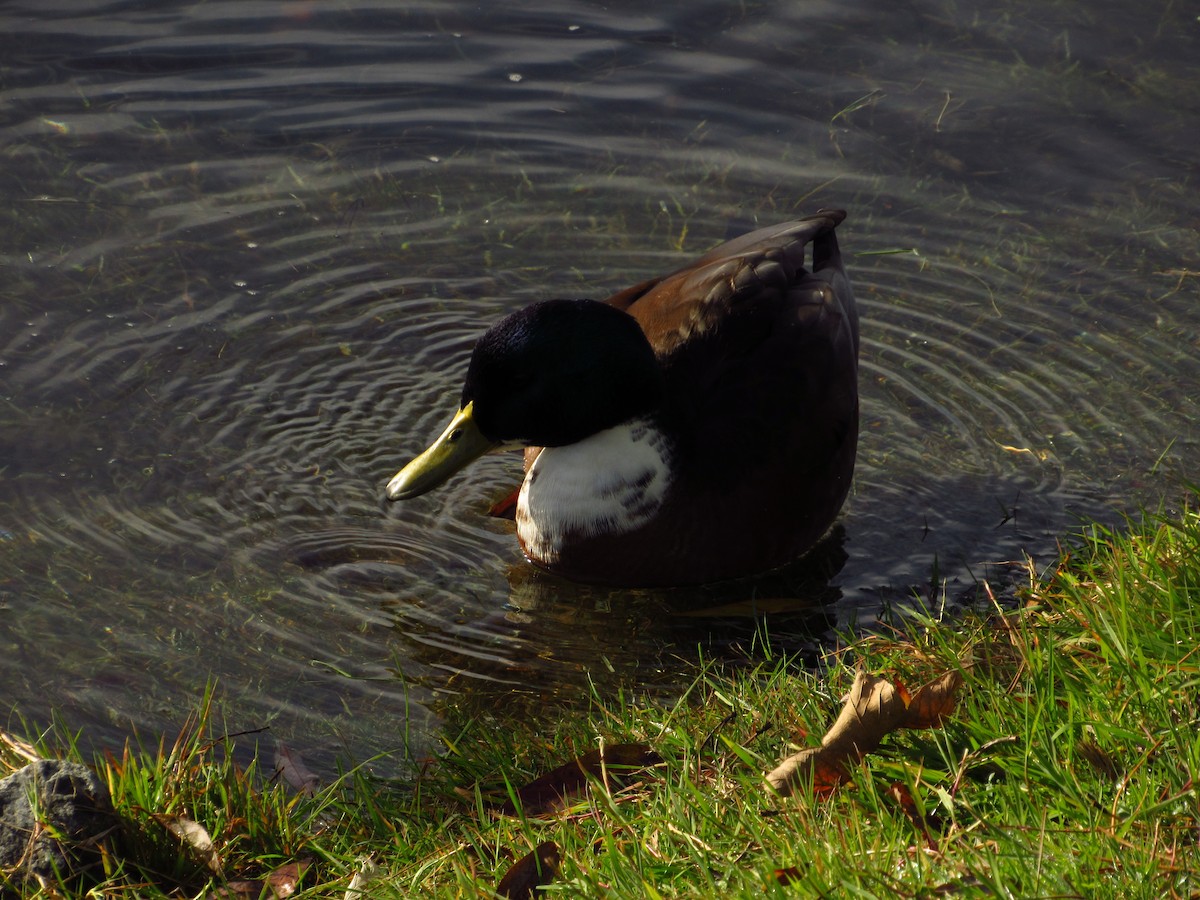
[{"x": 47, "y": 798}]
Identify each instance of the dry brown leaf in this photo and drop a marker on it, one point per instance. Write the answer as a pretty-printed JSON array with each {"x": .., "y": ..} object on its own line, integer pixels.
[
  {"x": 814, "y": 765},
  {"x": 285, "y": 880},
  {"x": 282, "y": 882},
  {"x": 873, "y": 708},
  {"x": 555, "y": 790},
  {"x": 290, "y": 765},
  {"x": 787, "y": 876},
  {"x": 528, "y": 874},
  {"x": 240, "y": 890},
  {"x": 1102, "y": 762},
  {"x": 195, "y": 837},
  {"x": 902, "y": 797},
  {"x": 933, "y": 702}
]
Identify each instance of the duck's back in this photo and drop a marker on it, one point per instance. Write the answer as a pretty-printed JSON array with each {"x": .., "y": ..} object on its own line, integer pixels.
[{"x": 760, "y": 359}]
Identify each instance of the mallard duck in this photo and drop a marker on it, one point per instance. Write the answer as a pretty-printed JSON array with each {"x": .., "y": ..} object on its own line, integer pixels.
[{"x": 696, "y": 427}]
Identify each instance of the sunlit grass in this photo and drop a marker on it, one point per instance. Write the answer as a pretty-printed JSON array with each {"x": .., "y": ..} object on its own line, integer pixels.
[{"x": 1068, "y": 769}]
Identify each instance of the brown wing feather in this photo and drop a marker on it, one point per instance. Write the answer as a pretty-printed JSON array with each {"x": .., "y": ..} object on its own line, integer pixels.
[{"x": 696, "y": 299}]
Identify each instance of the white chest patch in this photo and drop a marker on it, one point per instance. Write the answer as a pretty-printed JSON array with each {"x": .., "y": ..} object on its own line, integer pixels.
[{"x": 613, "y": 481}]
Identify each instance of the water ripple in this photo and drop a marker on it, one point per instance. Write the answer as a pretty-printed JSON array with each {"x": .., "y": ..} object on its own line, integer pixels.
[{"x": 249, "y": 248}]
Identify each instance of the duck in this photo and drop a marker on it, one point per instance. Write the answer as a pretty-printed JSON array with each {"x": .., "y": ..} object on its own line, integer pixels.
[{"x": 697, "y": 427}]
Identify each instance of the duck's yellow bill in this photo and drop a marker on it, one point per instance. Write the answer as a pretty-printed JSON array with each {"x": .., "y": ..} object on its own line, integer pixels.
[{"x": 460, "y": 444}]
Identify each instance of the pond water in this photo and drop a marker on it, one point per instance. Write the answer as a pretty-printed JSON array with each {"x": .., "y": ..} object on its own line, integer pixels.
[{"x": 246, "y": 248}]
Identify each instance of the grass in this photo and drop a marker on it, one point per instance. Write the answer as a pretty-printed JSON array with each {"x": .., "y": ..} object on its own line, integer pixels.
[{"x": 1068, "y": 769}]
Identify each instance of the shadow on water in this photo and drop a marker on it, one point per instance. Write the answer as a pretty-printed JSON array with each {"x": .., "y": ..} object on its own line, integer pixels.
[{"x": 246, "y": 250}]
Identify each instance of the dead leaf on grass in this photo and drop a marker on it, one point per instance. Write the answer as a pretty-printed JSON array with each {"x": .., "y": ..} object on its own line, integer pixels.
[
  {"x": 281, "y": 882},
  {"x": 788, "y": 876},
  {"x": 526, "y": 877},
  {"x": 933, "y": 702},
  {"x": 1102, "y": 762},
  {"x": 240, "y": 890},
  {"x": 285, "y": 880},
  {"x": 554, "y": 791},
  {"x": 873, "y": 708},
  {"x": 290, "y": 765},
  {"x": 899, "y": 794},
  {"x": 195, "y": 837}
]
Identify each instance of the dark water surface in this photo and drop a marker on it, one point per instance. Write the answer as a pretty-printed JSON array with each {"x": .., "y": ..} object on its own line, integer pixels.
[{"x": 245, "y": 249}]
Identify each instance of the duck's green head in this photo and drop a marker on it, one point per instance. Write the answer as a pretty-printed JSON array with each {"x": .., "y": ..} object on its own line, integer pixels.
[{"x": 548, "y": 375}]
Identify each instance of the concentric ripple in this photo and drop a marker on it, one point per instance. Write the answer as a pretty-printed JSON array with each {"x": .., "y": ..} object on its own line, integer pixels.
[{"x": 247, "y": 249}]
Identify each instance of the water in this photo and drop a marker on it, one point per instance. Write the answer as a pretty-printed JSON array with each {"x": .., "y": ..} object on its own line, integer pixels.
[{"x": 246, "y": 249}]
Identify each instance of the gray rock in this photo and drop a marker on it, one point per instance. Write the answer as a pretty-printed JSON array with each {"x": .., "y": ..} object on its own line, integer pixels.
[{"x": 52, "y": 814}]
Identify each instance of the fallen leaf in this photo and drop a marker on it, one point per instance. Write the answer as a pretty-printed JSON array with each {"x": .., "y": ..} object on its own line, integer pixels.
[
  {"x": 290, "y": 765},
  {"x": 813, "y": 766},
  {"x": 873, "y": 708},
  {"x": 195, "y": 837},
  {"x": 555, "y": 790},
  {"x": 285, "y": 880},
  {"x": 902, "y": 797},
  {"x": 962, "y": 886},
  {"x": 252, "y": 890},
  {"x": 933, "y": 702},
  {"x": 788, "y": 875},
  {"x": 1102, "y": 762},
  {"x": 282, "y": 882},
  {"x": 528, "y": 874}
]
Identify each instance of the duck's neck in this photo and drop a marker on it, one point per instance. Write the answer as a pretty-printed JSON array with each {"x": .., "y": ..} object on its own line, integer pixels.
[{"x": 609, "y": 483}]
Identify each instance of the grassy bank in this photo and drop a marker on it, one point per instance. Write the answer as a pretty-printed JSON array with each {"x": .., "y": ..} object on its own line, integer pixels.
[{"x": 1065, "y": 766}]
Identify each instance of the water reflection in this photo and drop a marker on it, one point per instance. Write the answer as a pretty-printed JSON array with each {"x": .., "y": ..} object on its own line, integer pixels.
[{"x": 247, "y": 249}]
